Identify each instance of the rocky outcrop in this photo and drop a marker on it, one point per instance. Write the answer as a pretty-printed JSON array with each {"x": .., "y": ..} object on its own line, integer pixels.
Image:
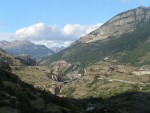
[
  {"x": 141, "y": 72},
  {"x": 57, "y": 69},
  {"x": 125, "y": 22},
  {"x": 73, "y": 75}
]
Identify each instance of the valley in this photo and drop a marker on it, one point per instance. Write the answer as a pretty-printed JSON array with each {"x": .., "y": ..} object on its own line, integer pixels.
[
  {"x": 105, "y": 71},
  {"x": 101, "y": 83},
  {"x": 37, "y": 76}
]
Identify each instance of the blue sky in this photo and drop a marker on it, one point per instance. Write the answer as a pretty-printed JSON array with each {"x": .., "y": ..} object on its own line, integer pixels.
[{"x": 16, "y": 15}]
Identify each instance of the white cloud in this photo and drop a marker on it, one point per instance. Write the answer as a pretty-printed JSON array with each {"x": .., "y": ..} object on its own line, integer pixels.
[
  {"x": 42, "y": 31},
  {"x": 38, "y": 31},
  {"x": 76, "y": 30},
  {"x": 53, "y": 43},
  {"x": 50, "y": 35}
]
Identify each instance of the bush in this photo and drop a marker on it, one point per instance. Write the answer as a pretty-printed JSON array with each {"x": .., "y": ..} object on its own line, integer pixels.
[
  {"x": 5, "y": 66},
  {"x": 9, "y": 90}
]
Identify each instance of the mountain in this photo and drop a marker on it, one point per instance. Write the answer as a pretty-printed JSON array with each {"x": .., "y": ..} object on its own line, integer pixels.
[
  {"x": 16, "y": 60},
  {"x": 104, "y": 86},
  {"x": 5, "y": 57},
  {"x": 3, "y": 43},
  {"x": 57, "y": 49},
  {"x": 123, "y": 23},
  {"x": 19, "y": 47},
  {"x": 124, "y": 38}
]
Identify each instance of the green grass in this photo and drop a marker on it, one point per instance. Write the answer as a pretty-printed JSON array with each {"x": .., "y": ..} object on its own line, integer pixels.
[{"x": 68, "y": 92}]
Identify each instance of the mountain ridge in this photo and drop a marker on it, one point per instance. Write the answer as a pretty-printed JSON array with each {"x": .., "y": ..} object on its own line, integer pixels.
[
  {"x": 19, "y": 47},
  {"x": 118, "y": 25},
  {"x": 131, "y": 32}
]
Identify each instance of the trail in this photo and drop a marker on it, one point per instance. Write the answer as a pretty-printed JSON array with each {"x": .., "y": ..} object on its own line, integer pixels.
[{"x": 124, "y": 81}]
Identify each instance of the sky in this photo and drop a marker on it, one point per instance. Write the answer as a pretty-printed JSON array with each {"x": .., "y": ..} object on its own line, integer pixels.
[{"x": 57, "y": 22}]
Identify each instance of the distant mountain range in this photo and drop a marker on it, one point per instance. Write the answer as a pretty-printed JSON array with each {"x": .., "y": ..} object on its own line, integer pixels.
[
  {"x": 125, "y": 38},
  {"x": 57, "y": 49},
  {"x": 19, "y": 47}
]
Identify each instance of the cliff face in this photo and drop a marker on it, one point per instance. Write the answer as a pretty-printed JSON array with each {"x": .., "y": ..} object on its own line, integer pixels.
[
  {"x": 57, "y": 69},
  {"x": 125, "y": 22}
]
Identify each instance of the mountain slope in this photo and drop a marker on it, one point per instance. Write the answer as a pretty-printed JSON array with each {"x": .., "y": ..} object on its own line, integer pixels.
[
  {"x": 19, "y": 97},
  {"x": 5, "y": 57},
  {"x": 16, "y": 60},
  {"x": 116, "y": 39},
  {"x": 122, "y": 23},
  {"x": 111, "y": 88},
  {"x": 19, "y": 47}
]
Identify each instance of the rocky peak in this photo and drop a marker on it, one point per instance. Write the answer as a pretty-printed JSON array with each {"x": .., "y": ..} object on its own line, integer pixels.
[
  {"x": 20, "y": 43},
  {"x": 125, "y": 22}
]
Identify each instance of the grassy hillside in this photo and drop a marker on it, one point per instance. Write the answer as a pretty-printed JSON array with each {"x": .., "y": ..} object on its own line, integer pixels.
[
  {"x": 123, "y": 49},
  {"x": 110, "y": 88},
  {"x": 105, "y": 79}
]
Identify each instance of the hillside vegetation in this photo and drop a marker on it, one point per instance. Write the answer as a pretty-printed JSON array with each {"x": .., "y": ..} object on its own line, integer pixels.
[
  {"x": 19, "y": 97},
  {"x": 128, "y": 48}
]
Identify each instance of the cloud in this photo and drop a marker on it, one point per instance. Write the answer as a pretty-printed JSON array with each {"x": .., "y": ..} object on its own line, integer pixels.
[
  {"x": 39, "y": 31},
  {"x": 53, "y": 43},
  {"x": 51, "y": 35},
  {"x": 51, "y": 32},
  {"x": 76, "y": 30}
]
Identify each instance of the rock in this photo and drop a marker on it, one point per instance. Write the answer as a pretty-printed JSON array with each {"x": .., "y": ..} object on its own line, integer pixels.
[{"x": 57, "y": 69}]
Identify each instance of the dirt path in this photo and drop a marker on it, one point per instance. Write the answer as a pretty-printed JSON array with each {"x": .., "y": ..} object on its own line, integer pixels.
[{"x": 128, "y": 82}]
